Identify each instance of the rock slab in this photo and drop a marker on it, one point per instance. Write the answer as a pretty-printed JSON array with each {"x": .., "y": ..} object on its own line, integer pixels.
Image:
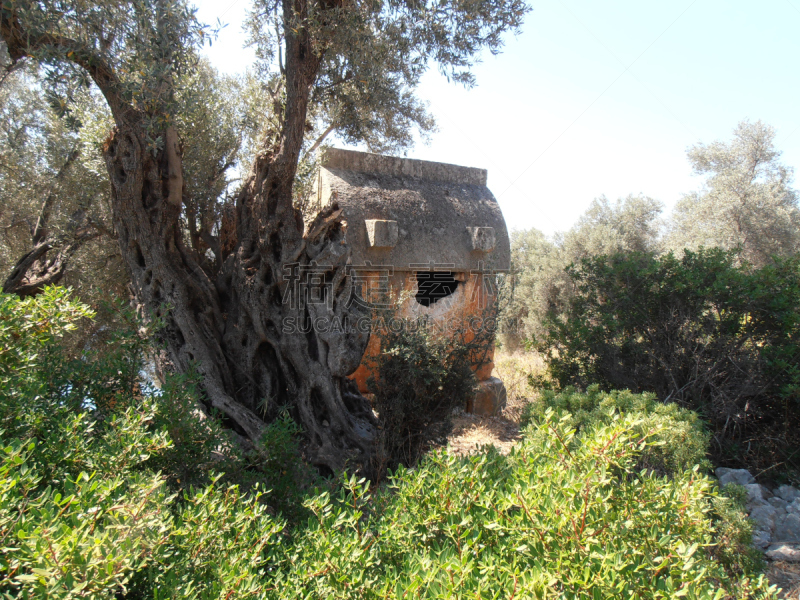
[
  {"x": 490, "y": 398},
  {"x": 784, "y": 552},
  {"x": 787, "y": 528},
  {"x": 739, "y": 476},
  {"x": 788, "y": 493}
]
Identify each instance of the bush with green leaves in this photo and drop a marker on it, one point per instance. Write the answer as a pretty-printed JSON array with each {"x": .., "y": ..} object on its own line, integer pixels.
[
  {"x": 280, "y": 465},
  {"x": 77, "y": 514},
  {"x": 701, "y": 330},
  {"x": 734, "y": 532},
  {"x": 419, "y": 377},
  {"x": 678, "y": 440},
  {"x": 221, "y": 543},
  {"x": 91, "y": 505},
  {"x": 565, "y": 515},
  {"x": 538, "y": 262},
  {"x": 82, "y": 536},
  {"x": 90, "y": 463}
]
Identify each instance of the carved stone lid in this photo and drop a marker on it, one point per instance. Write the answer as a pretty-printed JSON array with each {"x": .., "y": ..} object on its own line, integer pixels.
[{"x": 404, "y": 213}]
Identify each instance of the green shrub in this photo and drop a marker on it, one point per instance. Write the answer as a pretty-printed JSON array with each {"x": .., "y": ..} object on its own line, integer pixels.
[
  {"x": 220, "y": 544},
  {"x": 734, "y": 532},
  {"x": 83, "y": 512},
  {"x": 84, "y": 535},
  {"x": 420, "y": 376},
  {"x": 87, "y": 461},
  {"x": 700, "y": 330},
  {"x": 678, "y": 442},
  {"x": 78, "y": 517},
  {"x": 282, "y": 468},
  {"x": 564, "y": 515}
]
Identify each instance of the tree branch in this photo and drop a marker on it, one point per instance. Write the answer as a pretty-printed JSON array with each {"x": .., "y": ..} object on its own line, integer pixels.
[
  {"x": 322, "y": 137},
  {"x": 32, "y": 273},
  {"x": 21, "y": 43},
  {"x": 39, "y": 233}
]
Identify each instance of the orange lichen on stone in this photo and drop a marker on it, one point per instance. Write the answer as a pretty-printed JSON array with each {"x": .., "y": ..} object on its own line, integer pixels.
[{"x": 465, "y": 310}]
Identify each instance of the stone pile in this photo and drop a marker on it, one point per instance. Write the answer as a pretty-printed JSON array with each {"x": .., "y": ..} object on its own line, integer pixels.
[{"x": 775, "y": 514}]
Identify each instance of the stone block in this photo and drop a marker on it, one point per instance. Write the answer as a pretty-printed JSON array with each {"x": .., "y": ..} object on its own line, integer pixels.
[
  {"x": 788, "y": 493},
  {"x": 794, "y": 507},
  {"x": 489, "y": 399},
  {"x": 381, "y": 233},
  {"x": 787, "y": 528},
  {"x": 761, "y": 539},
  {"x": 756, "y": 494},
  {"x": 778, "y": 503},
  {"x": 740, "y": 476},
  {"x": 784, "y": 552},
  {"x": 763, "y": 517}
]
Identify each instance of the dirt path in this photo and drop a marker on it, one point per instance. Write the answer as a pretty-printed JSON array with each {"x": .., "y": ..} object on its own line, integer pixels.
[
  {"x": 470, "y": 432},
  {"x": 787, "y": 577}
]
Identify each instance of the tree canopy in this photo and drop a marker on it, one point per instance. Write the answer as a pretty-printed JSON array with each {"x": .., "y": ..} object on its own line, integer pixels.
[
  {"x": 746, "y": 202},
  {"x": 538, "y": 262}
]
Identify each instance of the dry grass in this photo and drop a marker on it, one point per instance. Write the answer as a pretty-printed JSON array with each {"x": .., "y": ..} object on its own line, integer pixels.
[
  {"x": 514, "y": 369},
  {"x": 470, "y": 432},
  {"x": 787, "y": 577}
]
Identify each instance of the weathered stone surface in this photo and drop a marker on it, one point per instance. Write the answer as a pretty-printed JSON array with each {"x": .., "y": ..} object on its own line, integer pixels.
[
  {"x": 761, "y": 539},
  {"x": 432, "y": 203},
  {"x": 740, "y": 476},
  {"x": 794, "y": 507},
  {"x": 366, "y": 162},
  {"x": 381, "y": 233},
  {"x": 778, "y": 503},
  {"x": 784, "y": 552},
  {"x": 425, "y": 234},
  {"x": 490, "y": 398},
  {"x": 787, "y": 528},
  {"x": 763, "y": 517},
  {"x": 776, "y": 521},
  {"x": 788, "y": 493},
  {"x": 756, "y": 494},
  {"x": 482, "y": 238}
]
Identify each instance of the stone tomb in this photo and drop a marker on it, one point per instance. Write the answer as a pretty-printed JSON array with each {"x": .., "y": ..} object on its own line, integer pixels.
[{"x": 429, "y": 234}]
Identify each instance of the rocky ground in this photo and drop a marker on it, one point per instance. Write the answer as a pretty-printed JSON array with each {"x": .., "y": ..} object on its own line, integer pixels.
[
  {"x": 775, "y": 513},
  {"x": 776, "y": 526}
]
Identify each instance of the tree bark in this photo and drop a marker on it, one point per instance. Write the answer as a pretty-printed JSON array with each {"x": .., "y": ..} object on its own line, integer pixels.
[
  {"x": 35, "y": 271},
  {"x": 231, "y": 327}
]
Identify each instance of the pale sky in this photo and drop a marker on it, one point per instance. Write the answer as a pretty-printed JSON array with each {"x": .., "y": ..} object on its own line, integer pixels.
[{"x": 602, "y": 97}]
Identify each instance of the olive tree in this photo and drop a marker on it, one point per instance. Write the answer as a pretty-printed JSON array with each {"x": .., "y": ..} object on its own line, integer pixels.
[
  {"x": 52, "y": 200},
  {"x": 747, "y": 201},
  {"x": 55, "y": 192},
  {"x": 538, "y": 263},
  {"x": 317, "y": 57}
]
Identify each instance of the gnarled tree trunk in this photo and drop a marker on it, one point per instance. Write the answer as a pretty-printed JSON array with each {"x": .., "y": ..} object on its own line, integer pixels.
[{"x": 231, "y": 326}]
